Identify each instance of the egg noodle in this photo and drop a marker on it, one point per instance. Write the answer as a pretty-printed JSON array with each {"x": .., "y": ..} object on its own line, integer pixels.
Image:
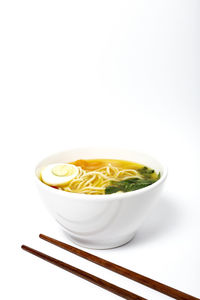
[{"x": 95, "y": 182}]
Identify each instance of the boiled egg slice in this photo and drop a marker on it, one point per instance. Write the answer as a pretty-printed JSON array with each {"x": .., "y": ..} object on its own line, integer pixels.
[{"x": 58, "y": 174}]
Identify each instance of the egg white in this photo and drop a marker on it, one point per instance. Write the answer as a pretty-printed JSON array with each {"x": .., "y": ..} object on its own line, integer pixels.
[{"x": 49, "y": 178}]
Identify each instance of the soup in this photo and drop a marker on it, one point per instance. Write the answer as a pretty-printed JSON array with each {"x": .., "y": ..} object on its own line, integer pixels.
[{"x": 98, "y": 176}]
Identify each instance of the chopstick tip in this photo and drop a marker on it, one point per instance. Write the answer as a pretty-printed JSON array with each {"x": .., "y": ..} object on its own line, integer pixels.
[{"x": 42, "y": 236}]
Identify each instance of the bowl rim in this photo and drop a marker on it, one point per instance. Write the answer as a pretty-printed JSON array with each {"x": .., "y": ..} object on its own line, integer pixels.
[{"x": 107, "y": 196}]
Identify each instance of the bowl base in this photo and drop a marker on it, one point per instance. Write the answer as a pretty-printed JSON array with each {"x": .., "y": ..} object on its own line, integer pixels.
[{"x": 100, "y": 245}]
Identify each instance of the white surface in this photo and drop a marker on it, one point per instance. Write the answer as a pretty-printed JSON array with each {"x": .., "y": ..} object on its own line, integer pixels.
[{"x": 75, "y": 73}]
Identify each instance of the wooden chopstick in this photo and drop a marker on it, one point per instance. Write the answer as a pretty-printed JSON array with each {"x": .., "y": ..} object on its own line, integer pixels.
[
  {"x": 160, "y": 287},
  {"x": 87, "y": 276}
]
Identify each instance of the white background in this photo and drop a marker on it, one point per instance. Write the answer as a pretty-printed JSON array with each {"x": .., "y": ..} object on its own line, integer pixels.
[{"x": 79, "y": 73}]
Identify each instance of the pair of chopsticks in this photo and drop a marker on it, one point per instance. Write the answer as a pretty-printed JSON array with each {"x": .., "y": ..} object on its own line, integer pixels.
[{"x": 160, "y": 287}]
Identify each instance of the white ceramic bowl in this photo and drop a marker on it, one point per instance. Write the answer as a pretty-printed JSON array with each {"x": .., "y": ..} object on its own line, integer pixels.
[{"x": 101, "y": 221}]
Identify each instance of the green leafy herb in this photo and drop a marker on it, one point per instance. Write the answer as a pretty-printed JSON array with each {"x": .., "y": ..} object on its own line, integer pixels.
[
  {"x": 146, "y": 172},
  {"x": 128, "y": 185},
  {"x": 112, "y": 189},
  {"x": 147, "y": 177}
]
